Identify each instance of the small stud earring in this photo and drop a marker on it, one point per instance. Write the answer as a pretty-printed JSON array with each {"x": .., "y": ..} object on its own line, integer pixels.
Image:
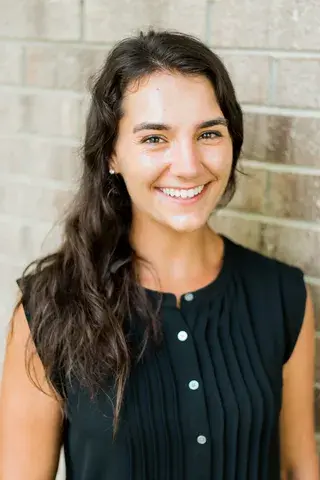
[{"x": 111, "y": 171}]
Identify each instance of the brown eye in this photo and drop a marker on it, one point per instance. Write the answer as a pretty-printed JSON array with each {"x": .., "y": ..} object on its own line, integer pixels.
[
  {"x": 152, "y": 139},
  {"x": 211, "y": 135}
]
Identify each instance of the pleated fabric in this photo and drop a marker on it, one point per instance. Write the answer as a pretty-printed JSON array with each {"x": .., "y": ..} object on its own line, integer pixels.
[{"x": 206, "y": 404}]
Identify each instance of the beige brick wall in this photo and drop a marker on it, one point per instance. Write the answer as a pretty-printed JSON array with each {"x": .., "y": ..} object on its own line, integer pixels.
[{"x": 271, "y": 48}]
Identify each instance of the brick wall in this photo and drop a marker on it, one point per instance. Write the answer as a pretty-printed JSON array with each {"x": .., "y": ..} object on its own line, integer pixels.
[{"x": 48, "y": 48}]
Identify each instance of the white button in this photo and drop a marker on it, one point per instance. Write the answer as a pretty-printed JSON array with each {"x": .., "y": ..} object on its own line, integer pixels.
[
  {"x": 182, "y": 336},
  {"x": 189, "y": 297},
  {"x": 193, "y": 385},
  {"x": 201, "y": 439}
]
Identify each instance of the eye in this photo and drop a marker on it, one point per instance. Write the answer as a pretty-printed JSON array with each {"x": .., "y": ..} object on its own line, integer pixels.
[
  {"x": 152, "y": 139},
  {"x": 210, "y": 135}
]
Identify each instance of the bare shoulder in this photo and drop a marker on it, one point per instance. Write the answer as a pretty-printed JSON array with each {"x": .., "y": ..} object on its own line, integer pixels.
[
  {"x": 30, "y": 417},
  {"x": 298, "y": 444}
]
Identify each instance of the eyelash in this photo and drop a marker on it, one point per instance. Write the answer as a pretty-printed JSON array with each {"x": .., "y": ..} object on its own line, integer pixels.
[{"x": 145, "y": 140}]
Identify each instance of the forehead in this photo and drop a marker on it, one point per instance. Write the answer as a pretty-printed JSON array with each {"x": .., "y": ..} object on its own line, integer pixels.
[{"x": 170, "y": 98}]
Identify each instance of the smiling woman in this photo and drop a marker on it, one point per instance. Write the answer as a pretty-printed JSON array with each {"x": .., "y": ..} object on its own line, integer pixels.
[
  {"x": 179, "y": 165},
  {"x": 159, "y": 349}
]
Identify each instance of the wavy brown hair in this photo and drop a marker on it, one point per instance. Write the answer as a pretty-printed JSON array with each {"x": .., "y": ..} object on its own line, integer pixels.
[{"x": 81, "y": 299}]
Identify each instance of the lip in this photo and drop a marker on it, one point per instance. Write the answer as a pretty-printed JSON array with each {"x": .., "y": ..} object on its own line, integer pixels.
[{"x": 184, "y": 201}]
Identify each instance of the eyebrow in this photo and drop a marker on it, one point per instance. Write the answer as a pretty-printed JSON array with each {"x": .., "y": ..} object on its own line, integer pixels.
[{"x": 163, "y": 126}]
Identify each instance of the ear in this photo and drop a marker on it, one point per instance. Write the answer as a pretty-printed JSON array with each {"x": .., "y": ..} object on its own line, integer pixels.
[{"x": 113, "y": 163}]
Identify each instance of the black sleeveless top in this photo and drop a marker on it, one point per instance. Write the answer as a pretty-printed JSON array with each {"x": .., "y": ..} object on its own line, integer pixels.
[{"x": 206, "y": 404}]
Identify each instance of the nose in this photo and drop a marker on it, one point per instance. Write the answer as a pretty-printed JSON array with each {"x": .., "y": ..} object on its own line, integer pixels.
[{"x": 186, "y": 160}]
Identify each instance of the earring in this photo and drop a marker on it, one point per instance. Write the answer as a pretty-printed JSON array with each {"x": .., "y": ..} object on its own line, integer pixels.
[{"x": 111, "y": 171}]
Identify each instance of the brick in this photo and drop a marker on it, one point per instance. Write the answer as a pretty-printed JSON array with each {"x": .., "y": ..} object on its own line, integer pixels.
[
  {"x": 57, "y": 20},
  {"x": 250, "y": 193},
  {"x": 9, "y": 273},
  {"x": 11, "y": 112},
  {"x": 10, "y": 63},
  {"x": 39, "y": 158},
  {"x": 315, "y": 295},
  {"x": 40, "y": 203},
  {"x": 189, "y": 16},
  {"x": 24, "y": 243},
  {"x": 282, "y": 139},
  {"x": 129, "y": 17},
  {"x": 245, "y": 232},
  {"x": 62, "y": 66},
  {"x": 294, "y": 24},
  {"x": 51, "y": 114},
  {"x": 274, "y": 24},
  {"x": 298, "y": 83},
  {"x": 294, "y": 246},
  {"x": 249, "y": 75},
  {"x": 294, "y": 196},
  {"x": 235, "y": 23}
]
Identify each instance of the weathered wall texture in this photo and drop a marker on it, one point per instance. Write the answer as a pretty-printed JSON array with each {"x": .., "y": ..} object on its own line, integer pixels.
[{"x": 48, "y": 48}]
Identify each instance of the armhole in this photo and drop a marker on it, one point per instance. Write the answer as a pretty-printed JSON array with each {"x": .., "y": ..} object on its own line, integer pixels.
[
  {"x": 56, "y": 377},
  {"x": 24, "y": 301},
  {"x": 294, "y": 296}
]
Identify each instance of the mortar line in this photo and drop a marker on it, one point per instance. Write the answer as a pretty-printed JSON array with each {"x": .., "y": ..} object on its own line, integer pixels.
[
  {"x": 23, "y": 66},
  {"x": 276, "y": 53},
  {"x": 278, "y": 221},
  {"x": 281, "y": 111},
  {"x": 25, "y": 221},
  {"x": 273, "y": 73},
  {"x": 82, "y": 9},
  {"x": 312, "y": 280},
  {"x": 55, "y": 139},
  {"x": 208, "y": 31},
  {"x": 14, "y": 179},
  {"x": 280, "y": 167},
  {"x": 279, "y": 53},
  {"x": 27, "y": 89}
]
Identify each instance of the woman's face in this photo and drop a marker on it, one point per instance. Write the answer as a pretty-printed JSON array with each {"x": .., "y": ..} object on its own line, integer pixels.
[{"x": 173, "y": 150}]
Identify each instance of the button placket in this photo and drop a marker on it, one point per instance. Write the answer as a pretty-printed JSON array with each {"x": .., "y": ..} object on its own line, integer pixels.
[{"x": 187, "y": 371}]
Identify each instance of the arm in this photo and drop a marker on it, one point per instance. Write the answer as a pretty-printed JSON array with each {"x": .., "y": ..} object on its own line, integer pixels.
[
  {"x": 30, "y": 420},
  {"x": 298, "y": 446}
]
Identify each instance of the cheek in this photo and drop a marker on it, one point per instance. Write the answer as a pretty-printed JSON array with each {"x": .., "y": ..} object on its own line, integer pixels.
[
  {"x": 142, "y": 168},
  {"x": 140, "y": 172},
  {"x": 219, "y": 159}
]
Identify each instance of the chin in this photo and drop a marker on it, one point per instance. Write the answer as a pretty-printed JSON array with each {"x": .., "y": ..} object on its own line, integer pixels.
[{"x": 186, "y": 225}]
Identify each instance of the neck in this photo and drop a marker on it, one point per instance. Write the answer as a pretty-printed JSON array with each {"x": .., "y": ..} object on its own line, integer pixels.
[{"x": 175, "y": 261}]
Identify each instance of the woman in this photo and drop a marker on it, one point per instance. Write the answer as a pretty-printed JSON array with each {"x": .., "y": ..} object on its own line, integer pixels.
[{"x": 160, "y": 349}]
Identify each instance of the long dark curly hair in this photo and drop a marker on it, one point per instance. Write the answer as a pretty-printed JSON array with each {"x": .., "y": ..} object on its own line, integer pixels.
[{"x": 81, "y": 298}]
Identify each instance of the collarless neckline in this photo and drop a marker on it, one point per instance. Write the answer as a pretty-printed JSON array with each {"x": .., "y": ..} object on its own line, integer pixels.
[{"x": 169, "y": 299}]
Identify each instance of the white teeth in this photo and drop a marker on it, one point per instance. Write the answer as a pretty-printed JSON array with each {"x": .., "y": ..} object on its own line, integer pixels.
[{"x": 183, "y": 193}]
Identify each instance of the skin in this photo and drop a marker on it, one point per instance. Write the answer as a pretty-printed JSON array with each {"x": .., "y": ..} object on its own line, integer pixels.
[{"x": 182, "y": 156}]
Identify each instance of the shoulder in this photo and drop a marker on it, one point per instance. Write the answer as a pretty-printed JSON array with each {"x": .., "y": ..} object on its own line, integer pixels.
[
  {"x": 275, "y": 292},
  {"x": 256, "y": 265}
]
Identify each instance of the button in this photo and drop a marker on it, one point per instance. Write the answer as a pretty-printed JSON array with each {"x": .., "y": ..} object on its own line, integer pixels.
[
  {"x": 189, "y": 297},
  {"x": 193, "y": 385},
  {"x": 182, "y": 336},
  {"x": 201, "y": 439}
]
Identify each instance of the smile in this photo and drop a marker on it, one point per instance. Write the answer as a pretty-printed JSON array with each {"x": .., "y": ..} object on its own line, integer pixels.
[{"x": 182, "y": 193}]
